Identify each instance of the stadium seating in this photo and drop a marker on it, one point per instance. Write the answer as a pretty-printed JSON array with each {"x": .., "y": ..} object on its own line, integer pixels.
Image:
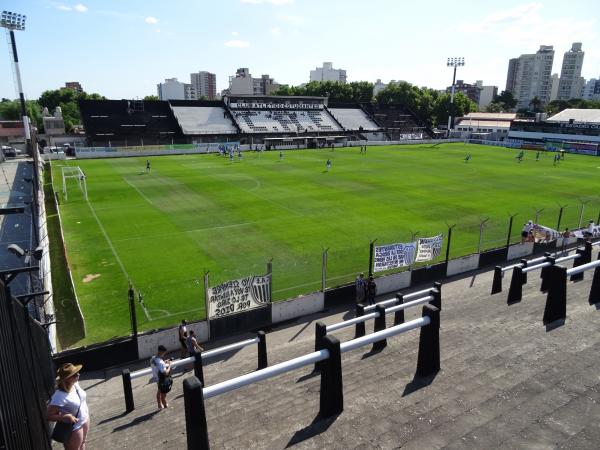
[
  {"x": 284, "y": 121},
  {"x": 353, "y": 119},
  {"x": 399, "y": 121},
  {"x": 129, "y": 121},
  {"x": 203, "y": 120}
]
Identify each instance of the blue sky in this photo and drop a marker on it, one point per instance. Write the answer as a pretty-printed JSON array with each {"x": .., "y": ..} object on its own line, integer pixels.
[{"x": 122, "y": 49}]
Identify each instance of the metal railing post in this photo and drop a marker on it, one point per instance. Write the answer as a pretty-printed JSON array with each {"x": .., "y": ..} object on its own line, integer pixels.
[
  {"x": 127, "y": 391},
  {"x": 497, "y": 282},
  {"x": 515, "y": 292},
  {"x": 261, "y": 349},
  {"x": 331, "y": 401},
  {"x": 556, "y": 300},
  {"x": 428, "y": 362},
  {"x": 320, "y": 333},
  {"x": 399, "y": 315},
  {"x": 198, "y": 367},
  {"x": 545, "y": 271},
  {"x": 524, "y": 264},
  {"x": 595, "y": 289},
  {"x": 586, "y": 257},
  {"x": 195, "y": 414},
  {"x": 360, "y": 327},
  {"x": 379, "y": 326}
]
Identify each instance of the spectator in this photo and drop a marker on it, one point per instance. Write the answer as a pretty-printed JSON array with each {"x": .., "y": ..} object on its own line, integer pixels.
[
  {"x": 360, "y": 286},
  {"x": 371, "y": 290},
  {"x": 161, "y": 372},
  {"x": 182, "y": 336},
  {"x": 192, "y": 344},
  {"x": 68, "y": 407}
]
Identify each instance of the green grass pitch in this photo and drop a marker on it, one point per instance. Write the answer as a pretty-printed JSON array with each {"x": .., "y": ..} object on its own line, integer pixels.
[{"x": 194, "y": 213}]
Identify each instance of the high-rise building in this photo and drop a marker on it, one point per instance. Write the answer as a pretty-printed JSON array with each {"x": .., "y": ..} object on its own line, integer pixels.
[
  {"x": 74, "y": 86},
  {"x": 571, "y": 83},
  {"x": 529, "y": 77},
  {"x": 554, "y": 89},
  {"x": 243, "y": 84},
  {"x": 172, "y": 89},
  {"x": 470, "y": 90},
  {"x": 591, "y": 90},
  {"x": 205, "y": 84},
  {"x": 328, "y": 73},
  {"x": 486, "y": 94}
]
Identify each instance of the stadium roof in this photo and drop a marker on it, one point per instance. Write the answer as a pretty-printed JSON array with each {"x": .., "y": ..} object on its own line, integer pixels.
[
  {"x": 484, "y": 123},
  {"x": 577, "y": 116},
  {"x": 491, "y": 116}
]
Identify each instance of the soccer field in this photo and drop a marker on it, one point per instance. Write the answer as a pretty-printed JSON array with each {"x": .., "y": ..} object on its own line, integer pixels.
[{"x": 162, "y": 230}]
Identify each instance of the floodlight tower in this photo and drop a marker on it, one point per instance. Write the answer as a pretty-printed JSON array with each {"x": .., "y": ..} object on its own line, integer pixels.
[
  {"x": 13, "y": 21},
  {"x": 453, "y": 62}
]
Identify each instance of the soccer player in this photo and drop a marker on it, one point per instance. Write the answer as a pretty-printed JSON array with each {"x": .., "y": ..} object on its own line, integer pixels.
[
  {"x": 468, "y": 157},
  {"x": 328, "y": 165},
  {"x": 230, "y": 155},
  {"x": 280, "y": 156},
  {"x": 147, "y": 166},
  {"x": 537, "y": 156}
]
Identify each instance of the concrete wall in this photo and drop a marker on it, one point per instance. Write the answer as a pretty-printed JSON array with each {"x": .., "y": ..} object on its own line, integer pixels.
[
  {"x": 519, "y": 250},
  {"x": 393, "y": 283},
  {"x": 297, "y": 307},
  {"x": 148, "y": 343},
  {"x": 463, "y": 264}
]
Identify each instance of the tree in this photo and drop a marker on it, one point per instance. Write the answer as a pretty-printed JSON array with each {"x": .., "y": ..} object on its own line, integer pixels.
[
  {"x": 462, "y": 106},
  {"x": 536, "y": 104},
  {"x": 67, "y": 100},
  {"x": 151, "y": 97},
  {"x": 11, "y": 110},
  {"x": 506, "y": 99}
]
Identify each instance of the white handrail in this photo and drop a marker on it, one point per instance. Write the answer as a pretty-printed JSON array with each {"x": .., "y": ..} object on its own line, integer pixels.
[
  {"x": 531, "y": 261},
  {"x": 583, "y": 267},
  {"x": 539, "y": 266},
  {"x": 410, "y": 304},
  {"x": 263, "y": 374},
  {"x": 391, "y": 301},
  {"x": 416, "y": 294},
  {"x": 350, "y": 322},
  {"x": 206, "y": 354},
  {"x": 383, "y": 334}
]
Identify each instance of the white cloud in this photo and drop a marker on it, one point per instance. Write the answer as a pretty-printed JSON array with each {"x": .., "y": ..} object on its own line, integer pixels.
[
  {"x": 151, "y": 20},
  {"x": 271, "y": 2},
  {"x": 80, "y": 8},
  {"x": 276, "y": 31},
  {"x": 64, "y": 8},
  {"x": 235, "y": 33},
  {"x": 236, "y": 43}
]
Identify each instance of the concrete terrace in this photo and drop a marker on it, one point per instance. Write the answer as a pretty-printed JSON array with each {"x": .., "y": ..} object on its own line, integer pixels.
[{"x": 506, "y": 382}]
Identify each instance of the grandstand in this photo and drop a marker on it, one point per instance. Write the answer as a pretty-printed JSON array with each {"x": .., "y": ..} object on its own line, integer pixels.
[
  {"x": 129, "y": 122},
  {"x": 203, "y": 118},
  {"x": 353, "y": 118},
  {"x": 567, "y": 128},
  {"x": 398, "y": 121}
]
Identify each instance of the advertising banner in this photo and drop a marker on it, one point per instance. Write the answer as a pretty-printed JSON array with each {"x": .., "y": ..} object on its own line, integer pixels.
[
  {"x": 393, "y": 256},
  {"x": 236, "y": 296},
  {"x": 429, "y": 248}
]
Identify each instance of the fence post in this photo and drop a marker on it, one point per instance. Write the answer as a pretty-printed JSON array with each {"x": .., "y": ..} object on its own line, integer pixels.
[
  {"x": 481, "y": 225},
  {"x": 595, "y": 289},
  {"x": 324, "y": 271},
  {"x": 448, "y": 243},
  {"x": 379, "y": 326},
  {"x": 545, "y": 270},
  {"x": 127, "y": 391},
  {"x": 428, "y": 361},
  {"x": 515, "y": 292},
  {"x": 556, "y": 300},
  {"x": 510, "y": 225},
  {"x": 320, "y": 333},
  {"x": 198, "y": 367},
  {"x": 524, "y": 264},
  {"x": 371, "y": 253},
  {"x": 560, "y": 213},
  {"x": 586, "y": 257},
  {"x": 331, "y": 401},
  {"x": 399, "y": 315},
  {"x": 195, "y": 414},
  {"x": 497, "y": 283},
  {"x": 261, "y": 349},
  {"x": 360, "y": 327}
]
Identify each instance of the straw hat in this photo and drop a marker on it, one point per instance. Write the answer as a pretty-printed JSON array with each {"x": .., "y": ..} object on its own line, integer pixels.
[{"x": 67, "y": 370}]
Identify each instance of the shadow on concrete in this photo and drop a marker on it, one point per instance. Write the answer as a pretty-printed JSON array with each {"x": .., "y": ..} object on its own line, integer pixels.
[
  {"x": 136, "y": 421},
  {"x": 110, "y": 419},
  {"x": 308, "y": 376},
  {"x": 300, "y": 331},
  {"x": 418, "y": 383},
  {"x": 554, "y": 325},
  {"x": 372, "y": 352},
  {"x": 317, "y": 426}
]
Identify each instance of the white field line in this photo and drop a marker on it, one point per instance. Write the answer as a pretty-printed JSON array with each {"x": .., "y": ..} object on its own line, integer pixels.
[
  {"x": 168, "y": 314},
  {"x": 114, "y": 251},
  {"x": 138, "y": 191},
  {"x": 183, "y": 232}
]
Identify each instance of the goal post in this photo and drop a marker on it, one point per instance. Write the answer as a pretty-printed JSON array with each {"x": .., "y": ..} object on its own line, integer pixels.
[{"x": 71, "y": 172}]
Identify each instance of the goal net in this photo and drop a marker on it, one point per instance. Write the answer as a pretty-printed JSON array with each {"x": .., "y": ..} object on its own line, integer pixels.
[{"x": 73, "y": 173}]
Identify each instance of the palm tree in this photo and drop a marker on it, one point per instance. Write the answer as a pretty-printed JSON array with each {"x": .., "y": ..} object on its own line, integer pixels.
[{"x": 536, "y": 104}]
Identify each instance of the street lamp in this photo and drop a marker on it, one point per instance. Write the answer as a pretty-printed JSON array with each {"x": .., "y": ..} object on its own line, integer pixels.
[{"x": 453, "y": 62}]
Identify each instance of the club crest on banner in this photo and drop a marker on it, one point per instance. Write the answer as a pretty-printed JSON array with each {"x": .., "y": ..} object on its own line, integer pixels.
[
  {"x": 394, "y": 255},
  {"x": 429, "y": 248}
]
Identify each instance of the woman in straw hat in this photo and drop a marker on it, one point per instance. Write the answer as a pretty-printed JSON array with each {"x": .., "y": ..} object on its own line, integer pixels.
[{"x": 68, "y": 405}]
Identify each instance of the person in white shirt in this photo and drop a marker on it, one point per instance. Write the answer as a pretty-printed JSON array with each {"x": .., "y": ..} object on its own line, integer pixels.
[
  {"x": 68, "y": 404},
  {"x": 161, "y": 373}
]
